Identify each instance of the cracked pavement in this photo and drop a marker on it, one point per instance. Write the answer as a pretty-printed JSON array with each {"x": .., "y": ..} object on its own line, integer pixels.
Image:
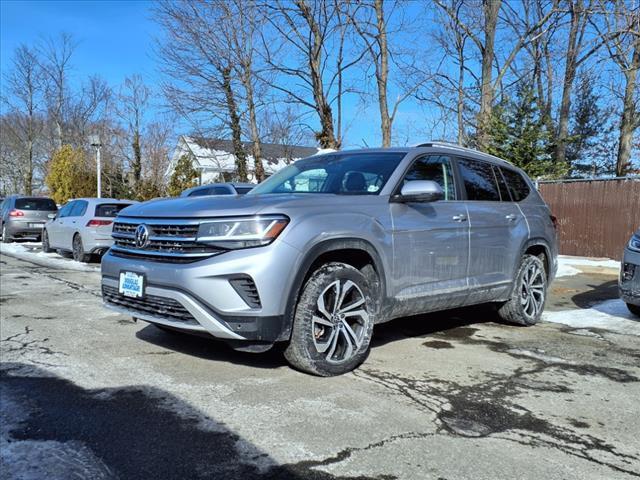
[{"x": 87, "y": 393}]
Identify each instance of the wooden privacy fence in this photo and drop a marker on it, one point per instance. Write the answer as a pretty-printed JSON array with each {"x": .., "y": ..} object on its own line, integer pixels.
[{"x": 595, "y": 217}]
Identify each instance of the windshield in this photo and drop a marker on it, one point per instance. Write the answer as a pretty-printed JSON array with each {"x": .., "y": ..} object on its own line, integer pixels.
[{"x": 340, "y": 174}]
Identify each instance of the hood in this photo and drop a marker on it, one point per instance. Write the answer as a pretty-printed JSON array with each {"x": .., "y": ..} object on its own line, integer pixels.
[{"x": 228, "y": 205}]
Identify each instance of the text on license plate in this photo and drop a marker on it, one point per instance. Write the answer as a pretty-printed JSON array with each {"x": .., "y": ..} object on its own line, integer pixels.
[
  {"x": 131, "y": 284},
  {"x": 36, "y": 225}
]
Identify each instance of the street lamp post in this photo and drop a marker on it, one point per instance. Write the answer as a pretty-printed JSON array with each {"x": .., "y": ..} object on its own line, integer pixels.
[{"x": 95, "y": 142}]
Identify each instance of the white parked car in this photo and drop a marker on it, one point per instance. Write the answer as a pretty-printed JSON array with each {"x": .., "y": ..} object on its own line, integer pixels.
[{"x": 83, "y": 227}]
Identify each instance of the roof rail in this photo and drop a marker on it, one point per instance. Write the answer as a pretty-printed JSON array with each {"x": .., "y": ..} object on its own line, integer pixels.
[{"x": 437, "y": 143}]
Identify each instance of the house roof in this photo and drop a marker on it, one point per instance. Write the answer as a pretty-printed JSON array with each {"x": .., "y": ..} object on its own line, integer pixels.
[{"x": 271, "y": 152}]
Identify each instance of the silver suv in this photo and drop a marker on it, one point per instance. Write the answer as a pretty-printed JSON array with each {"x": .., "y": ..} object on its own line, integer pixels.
[{"x": 328, "y": 247}]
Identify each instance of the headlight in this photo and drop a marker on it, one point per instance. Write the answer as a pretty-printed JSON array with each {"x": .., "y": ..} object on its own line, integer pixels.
[
  {"x": 634, "y": 243},
  {"x": 234, "y": 233}
]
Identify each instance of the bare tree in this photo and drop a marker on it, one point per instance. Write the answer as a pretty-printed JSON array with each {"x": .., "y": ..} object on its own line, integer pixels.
[
  {"x": 133, "y": 103},
  {"x": 486, "y": 45},
  {"x": 55, "y": 54},
  {"x": 308, "y": 32},
  {"x": 24, "y": 89},
  {"x": 196, "y": 57},
  {"x": 622, "y": 38}
]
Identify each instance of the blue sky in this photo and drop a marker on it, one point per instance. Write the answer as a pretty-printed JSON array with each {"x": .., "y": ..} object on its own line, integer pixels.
[{"x": 116, "y": 40}]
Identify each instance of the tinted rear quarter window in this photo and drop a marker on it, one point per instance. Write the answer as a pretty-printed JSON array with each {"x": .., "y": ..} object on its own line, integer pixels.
[
  {"x": 36, "y": 204},
  {"x": 518, "y": 186},
  {"x": 110, "y": 209},
  {"x": 243, "y": 190},
  {"x": 479, "y": 180}
]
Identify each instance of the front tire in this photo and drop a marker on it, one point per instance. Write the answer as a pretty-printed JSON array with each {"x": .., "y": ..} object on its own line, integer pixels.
[
  {"x": 78, "y": 250},
  {"x": 333, "y": 321},
  {"x": 635, "y": 309},
  {"x": 46, "y": 246},
  {"x": 529, "y": 294}
]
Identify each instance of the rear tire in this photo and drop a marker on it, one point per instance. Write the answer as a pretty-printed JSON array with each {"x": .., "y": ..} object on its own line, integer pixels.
[
  {"x": 5, "y": 236},
  {"x": 529, "y": 293},
  {"x": 635, "y": 309},
  {"x": 333, "y": 321},
  {"x": 46, "y": 247},
  {"x": 78, "y": 250}
]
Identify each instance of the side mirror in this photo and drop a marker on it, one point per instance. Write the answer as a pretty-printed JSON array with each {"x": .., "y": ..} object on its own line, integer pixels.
[
  {"x": 420, "y": 191},
  {"x": 51, "y": 216}
]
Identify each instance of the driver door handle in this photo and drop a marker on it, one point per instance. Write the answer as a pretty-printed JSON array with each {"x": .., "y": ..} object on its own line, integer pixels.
[
  {"x": 459, "y": 218},
  {"x": 511, "y": 217}
]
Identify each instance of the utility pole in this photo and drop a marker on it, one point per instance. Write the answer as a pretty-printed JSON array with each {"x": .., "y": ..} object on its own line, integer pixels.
[{"x": 95, "y": 142}]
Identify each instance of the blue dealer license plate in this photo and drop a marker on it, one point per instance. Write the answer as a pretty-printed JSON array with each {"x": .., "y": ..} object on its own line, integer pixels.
[{"x": 131, "y": 284}]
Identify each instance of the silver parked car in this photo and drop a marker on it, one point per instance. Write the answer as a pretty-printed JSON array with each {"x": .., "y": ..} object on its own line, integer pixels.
[
  {"x": 630, "y": 274},
  {"x": 83, "y": 227},
  {"x": 218, "y": 189},
  {"x": 328, "y": 247},
  {"x": 24, "y": 217}
]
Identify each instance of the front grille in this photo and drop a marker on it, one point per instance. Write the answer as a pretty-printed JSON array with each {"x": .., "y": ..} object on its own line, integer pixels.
[
  {"x": 151, "y": 305},
  {"x": 167, "y": 241}
]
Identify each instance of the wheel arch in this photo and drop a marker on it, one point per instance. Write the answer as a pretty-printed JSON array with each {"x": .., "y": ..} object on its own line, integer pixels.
[
  {"x": 353, "y": 251},
  {"x": 538, "y": 246}
]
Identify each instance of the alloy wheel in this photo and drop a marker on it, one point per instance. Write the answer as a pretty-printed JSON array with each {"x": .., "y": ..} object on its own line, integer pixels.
[
  {"x": 340, "y": 321},
  {"x": 533, "y": 291}
]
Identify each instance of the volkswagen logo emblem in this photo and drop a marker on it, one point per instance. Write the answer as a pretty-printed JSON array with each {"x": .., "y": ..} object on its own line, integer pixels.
[{"x": 142, "y": 236}]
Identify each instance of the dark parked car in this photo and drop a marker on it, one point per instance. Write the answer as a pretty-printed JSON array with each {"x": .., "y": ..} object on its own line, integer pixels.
[
  {"x": 24, "y": 217},
  {"x": 218, "y": 189},
  {"x": 630, "y": 274}
]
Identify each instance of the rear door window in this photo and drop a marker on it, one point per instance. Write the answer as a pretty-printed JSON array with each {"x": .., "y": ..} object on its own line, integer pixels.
[
  {"x": 66, "y": 209},
  {"x": 45, "y": 204},
  {"x": 502, "y": 186},
  {"x": 518, "y": 186},
  {"x": 110, "y": 210},
  {"x": 79, "y": 209},
  {"x": 479, "y": 180},
  {"x": 436, "y": 168}
]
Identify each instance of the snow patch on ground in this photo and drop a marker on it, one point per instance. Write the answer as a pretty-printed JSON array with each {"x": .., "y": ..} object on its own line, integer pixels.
[
  {"x": 31, "y": 252},
  {"x": 567, "y": 265},
  {"x": 611, "y": 315}
]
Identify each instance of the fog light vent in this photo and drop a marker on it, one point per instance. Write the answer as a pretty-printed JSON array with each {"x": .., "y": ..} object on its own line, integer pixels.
[
  {"x": 628, "y": 270},
  {"x": 246, "y": 288}
]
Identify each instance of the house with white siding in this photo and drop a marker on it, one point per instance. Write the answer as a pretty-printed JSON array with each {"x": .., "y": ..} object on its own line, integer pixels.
[{"x": 215, "y": 160}]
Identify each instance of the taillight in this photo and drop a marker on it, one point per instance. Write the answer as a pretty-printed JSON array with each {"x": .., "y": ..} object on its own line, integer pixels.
[
  {"x": 98, "y": 223},
  {"x": 16, "y": 213},
  {"x": 554, "y": 220}
]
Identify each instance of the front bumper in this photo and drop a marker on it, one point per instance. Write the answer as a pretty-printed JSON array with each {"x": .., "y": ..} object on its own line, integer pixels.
[
  {"x": 204, "y": 291},
  {"x": 629, "y": 283}
]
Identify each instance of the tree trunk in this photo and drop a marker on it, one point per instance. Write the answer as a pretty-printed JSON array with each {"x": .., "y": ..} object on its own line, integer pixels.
[
  {"x": 28, "y": 178},
  {"x": 326, "y": 136},
  {"x": 234, "y": 121},
  {"x": 382, "y": 74},
  {"x": 460, "y": 102},
  {"x": 258, "y": 168},
  {"x": 137, "y": 158},
  {"x": 629, "y": 121},
  {"x": 569, "y": 76},
  {"x": 491, "y": 8}
]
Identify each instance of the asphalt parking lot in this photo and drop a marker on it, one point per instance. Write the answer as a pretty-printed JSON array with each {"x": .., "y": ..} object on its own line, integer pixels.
[{"x": 87, "y": 393}]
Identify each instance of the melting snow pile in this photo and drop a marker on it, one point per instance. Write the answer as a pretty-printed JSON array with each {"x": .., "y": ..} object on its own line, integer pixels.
[
  {"x": 31, "y": 252},
  {"x": 611, "y": 315},
  {"x": 568, "y": 266}
]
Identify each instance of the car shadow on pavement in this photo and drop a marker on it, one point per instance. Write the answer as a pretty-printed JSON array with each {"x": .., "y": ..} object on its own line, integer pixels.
[
  {"x": 454, "y": 324},
  {"x": 596, "y": 293},
  {"x": 55, "y": 428},
  {"x": 210, "y": 348}
]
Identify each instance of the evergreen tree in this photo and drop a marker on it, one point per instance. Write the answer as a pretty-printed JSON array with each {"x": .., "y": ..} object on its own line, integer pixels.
[
  {"x": 587, "y": 123},
  {"x": 519, "y": 134},
  {"x": 70, "y": 175},
  {"x": 184, "y": 176}
]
